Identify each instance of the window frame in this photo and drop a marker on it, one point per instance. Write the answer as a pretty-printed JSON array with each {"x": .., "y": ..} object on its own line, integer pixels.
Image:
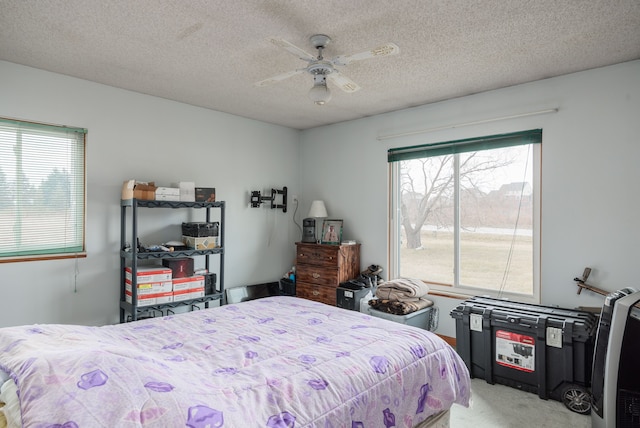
[
  {"x": 57, "y": 251},
  {"x": 395, "y": 155}
]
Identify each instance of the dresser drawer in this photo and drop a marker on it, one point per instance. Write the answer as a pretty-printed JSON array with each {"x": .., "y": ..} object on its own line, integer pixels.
[
  {"x": 321, "y": 268},
  {"x": 321, "y": 255},
  {"x": 319, "y": 293},
  {"x": 317, "y": 274}
]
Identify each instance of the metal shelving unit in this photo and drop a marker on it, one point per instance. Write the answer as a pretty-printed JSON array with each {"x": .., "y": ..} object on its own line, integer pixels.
[{"x": 131, "y": 256}]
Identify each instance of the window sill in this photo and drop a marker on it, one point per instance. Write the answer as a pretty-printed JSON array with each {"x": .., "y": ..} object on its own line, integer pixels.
[
  {"x": 462, "y": 296},
  {"x": 81, "y": 255},
  {"x": 449, "y": 295}
]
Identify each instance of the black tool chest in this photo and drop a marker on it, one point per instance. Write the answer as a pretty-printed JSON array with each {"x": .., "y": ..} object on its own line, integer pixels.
[{"x": 539, "y": 349}]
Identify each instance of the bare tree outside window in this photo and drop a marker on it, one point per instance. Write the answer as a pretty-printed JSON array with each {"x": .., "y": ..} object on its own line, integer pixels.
[{"x": 470, "y": 213}]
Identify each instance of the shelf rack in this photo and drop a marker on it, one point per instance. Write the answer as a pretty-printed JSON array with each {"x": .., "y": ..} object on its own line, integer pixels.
[{"x": 133, "y": 255}]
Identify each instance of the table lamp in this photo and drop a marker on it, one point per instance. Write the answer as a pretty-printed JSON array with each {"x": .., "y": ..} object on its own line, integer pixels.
[{"x": 309, "y": 228}]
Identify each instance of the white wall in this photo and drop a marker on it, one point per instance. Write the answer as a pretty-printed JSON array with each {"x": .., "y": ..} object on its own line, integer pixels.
[
  {"x": 590, "y": 173},
  {"x": 135, "y": 136}
]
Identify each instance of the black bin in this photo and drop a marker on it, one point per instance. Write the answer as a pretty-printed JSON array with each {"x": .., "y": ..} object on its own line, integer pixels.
[
  {"x": 539, "y": 349},
  {"x": 287, "y": 287}
]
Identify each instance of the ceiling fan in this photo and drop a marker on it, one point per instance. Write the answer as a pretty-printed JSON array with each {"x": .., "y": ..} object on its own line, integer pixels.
[{"x": 322, "y": 69}]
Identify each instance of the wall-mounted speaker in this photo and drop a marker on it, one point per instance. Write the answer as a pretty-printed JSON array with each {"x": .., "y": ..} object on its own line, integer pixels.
[{"x": 309, "y": 230}]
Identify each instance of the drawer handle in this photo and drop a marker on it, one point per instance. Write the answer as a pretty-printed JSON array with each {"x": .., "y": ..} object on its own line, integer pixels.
[
  {"x": 315, "y": 292},
  {"x": 315, "y": 275}
]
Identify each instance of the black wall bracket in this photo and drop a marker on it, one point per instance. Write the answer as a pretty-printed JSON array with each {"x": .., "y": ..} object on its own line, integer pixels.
[{"x": 257, "y": 199}]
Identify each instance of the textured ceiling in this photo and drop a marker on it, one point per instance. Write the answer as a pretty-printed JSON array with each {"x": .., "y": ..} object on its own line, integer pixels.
[{"x": 210, "y": 53}]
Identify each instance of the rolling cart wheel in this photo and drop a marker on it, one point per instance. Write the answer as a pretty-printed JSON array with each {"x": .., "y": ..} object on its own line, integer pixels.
[{"x": 577, "y": 399}]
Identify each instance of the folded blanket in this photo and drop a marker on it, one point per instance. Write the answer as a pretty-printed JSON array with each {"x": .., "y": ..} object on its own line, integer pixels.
[
  {"x": 400, "y": 308},
  {"x": 402, "y": 289}
]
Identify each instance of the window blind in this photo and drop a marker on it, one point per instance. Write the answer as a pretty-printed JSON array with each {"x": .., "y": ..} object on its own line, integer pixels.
[
  {"x": 42, "y": 189},
  {"x": 468, "y": 145}
]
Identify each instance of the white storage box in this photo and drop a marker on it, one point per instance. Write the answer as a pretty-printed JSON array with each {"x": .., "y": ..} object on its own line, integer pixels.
[
  {"x": 191, "y": 293},
  {"x": 174, "y": 198},
  {"x": 150, "y": 287},
  {"x": 187, "y": 191},
  {"x": 421, "y": 318},
  {"x": 146, "y": 274},
  {"x": 167, "y": 194},
  {"x": 168, "y": 191},
  {"x": 190, "y": 282},
  {"x": 151, "y": 299}
]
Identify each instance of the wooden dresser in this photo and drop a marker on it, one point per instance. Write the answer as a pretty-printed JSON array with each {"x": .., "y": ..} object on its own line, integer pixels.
[{"x": 321, "y": 268}]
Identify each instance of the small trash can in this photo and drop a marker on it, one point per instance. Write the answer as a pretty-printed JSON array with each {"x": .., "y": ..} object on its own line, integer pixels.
[{"x": 287, "y": 287}]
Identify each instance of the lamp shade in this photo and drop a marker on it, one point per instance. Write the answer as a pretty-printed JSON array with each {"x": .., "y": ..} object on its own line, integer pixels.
[
  {"x": 319, "y": 93},
  {"x": 318, "y": 209}
]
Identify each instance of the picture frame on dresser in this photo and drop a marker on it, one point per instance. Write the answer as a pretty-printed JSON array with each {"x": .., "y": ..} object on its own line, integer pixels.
[{"x": 331, "y": 232}]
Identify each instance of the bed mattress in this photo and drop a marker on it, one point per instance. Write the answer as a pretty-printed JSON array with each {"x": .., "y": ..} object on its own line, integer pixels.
[{"x": 274, "y": 362}]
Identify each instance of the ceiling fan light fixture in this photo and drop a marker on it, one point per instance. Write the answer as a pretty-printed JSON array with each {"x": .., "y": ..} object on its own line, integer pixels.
[
  {"x": 321, "y": 68},
  {"x": 320, "y": 93}
]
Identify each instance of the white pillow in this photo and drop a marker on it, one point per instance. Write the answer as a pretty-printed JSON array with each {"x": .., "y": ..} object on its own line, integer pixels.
[{"x": 11, "y": 409}]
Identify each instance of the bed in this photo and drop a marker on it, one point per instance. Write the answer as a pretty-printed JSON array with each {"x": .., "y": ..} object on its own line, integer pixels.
[{"x": 273, "y": 362}]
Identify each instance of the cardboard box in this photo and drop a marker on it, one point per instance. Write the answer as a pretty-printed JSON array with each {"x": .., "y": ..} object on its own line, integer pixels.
[
  {"x": 127, "y": 189},
  {"x": 150, "y": 299},
  {"x": 181, "y": 284},
  {"x": 191, "y": 293},
  {"x": 146, "y": 191},
  {"x": 200, "y": 243},
  {"x": 138, "y": 190},
  {"x": 147, "y": 274},
  {"x": 205, "y": 194},
  {"x": 150, "y": 287}
]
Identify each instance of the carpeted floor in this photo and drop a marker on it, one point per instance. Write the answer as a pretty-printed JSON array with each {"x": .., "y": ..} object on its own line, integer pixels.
[{"x": 499, "y": 406}]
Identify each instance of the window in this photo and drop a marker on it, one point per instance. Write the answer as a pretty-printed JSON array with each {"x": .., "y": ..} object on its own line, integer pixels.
[
  {"x": 42, "y": 190},
  {"x": 465, "y": 215}
]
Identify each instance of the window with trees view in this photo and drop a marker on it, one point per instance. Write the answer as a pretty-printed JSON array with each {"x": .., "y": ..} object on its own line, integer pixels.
[
  {"x": 42, "y": 190},
  {"x": 466, "y": 214}
]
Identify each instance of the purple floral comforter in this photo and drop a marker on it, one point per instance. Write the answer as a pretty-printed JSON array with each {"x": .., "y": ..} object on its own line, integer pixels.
[{"x": 273, "y": 362}]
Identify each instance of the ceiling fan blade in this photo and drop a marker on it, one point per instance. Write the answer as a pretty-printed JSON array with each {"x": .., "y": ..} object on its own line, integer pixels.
[
  {"x": 279, "y": 77},
  {"x": 383, "y": 50},
  {"x": 343, "y": 82},
  {"x": 291, "y": 48}
]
